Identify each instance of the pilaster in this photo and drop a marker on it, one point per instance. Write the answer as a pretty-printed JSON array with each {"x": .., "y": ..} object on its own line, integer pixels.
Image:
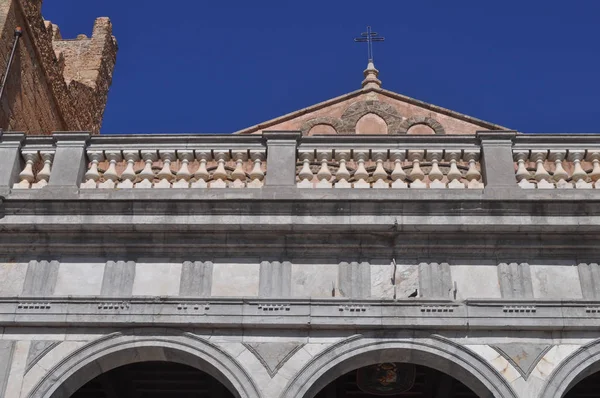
[
  {"x": 69, "y": 160},
  {"x": 281, "y": 157},
  {"x": 10, "y": 159},
  {"x": 497, "y": 165}
]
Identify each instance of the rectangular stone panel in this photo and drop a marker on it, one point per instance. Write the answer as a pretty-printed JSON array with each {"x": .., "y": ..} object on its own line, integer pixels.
[
  {"x": 196, "y": 279},
  {"x": 515, "y": 280},
  {"x": 79, "y": 279},
  {"x": 40, "y": 278},
  {"x": 314, "y": 280},
  {"x": 589, "y": 275},
  {"x": 157, "y": 279},
  {"x": 118, "y": 279},
  {"x": 235, "y": 280},
  {"x": 435, "y": 280},
  {"x": 555, "y": 282},
  {"x": 12, "y": 278},
  {"x": 354, "y": 279},
  {"x": 275, "y": 279},
  {"x": 475, "y": 281},
  {"x": 384, "y": 282}
]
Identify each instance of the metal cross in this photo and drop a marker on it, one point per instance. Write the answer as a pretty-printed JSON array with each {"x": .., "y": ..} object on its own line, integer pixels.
[{"x": 369, "y": 37}]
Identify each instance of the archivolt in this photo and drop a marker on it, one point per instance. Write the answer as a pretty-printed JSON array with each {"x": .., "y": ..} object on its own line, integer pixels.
[
  {"x": 354, "y": 112},
  {"x": 412, "y": 121},
  {"x": 436, "y": 352},
  {"x": 116, "y": 350},
  {"x": 331, "y": 121},
  {"x": 582, "y": 363}
]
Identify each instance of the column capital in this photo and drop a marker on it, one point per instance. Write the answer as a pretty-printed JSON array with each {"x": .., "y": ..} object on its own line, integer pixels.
[{"x": 71, "y": 138}]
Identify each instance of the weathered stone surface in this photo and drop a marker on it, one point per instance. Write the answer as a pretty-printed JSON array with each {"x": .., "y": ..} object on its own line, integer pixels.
[
  {"x": 6, "y": 356},
  {"x": 12, "y": 276},
  {"x": 157, "y": 279},
  {"x": 435, "y": 280},
  {"x": 118, "y": 278},
  {"x": 384, "y": 285},
  {"x": 69, "y": 79},
  {"x": 555, "y": 281},
  {"x": 40, "y": 279},
  {"x": 273, "y": 355},
  {"x": 354, "y": 279},
  {"x": 235, "y": 279},
  {"x": 196, "y": 279},
  {"x": 275, "y": 279},
  {"x": 79, "y": 279},
  {"x": 37, "y": 350},
  {"x": 475, "y": 281},
  {"x": 524, "y": 357},
  {"x": 515, "y": 281}
]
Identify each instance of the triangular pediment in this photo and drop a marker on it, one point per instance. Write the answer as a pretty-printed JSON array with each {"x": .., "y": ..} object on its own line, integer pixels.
[{"x": 373, "y": 110}]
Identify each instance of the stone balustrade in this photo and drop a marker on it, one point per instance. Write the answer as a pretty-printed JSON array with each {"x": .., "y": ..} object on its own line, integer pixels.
[
  {"x": 389, "y": 168},
  {"x": 557, "y": 168},
  {"x": 494, "y": 162}
]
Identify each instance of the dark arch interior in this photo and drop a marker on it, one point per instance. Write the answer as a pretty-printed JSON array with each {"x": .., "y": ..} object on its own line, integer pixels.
[
  {"x": 428, "y": 383},
  {"x": 586, "y": 388},
  {"x": 154, "y": 380}
]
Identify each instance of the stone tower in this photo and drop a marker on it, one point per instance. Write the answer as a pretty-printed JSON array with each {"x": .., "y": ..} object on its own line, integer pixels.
[{"x": 53, "y": 84}]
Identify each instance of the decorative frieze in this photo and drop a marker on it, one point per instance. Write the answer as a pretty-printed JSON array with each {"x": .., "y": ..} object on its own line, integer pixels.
[
  {"x": 114, "y": 305},
  {"x": 356, "y": 308},
  {"x": 519, "y": 309},
  {"x": 274, "y": 307},
  {"x": 34, "y": 305},
  {"x": 193, "y": 306},
  {"x": 437, "y": 309}
]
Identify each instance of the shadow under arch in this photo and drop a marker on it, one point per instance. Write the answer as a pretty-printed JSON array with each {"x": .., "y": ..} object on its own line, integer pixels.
[
  {"x": 435, "y": 352},
  {"x": 116, "y": 350},
  {"x": 582, "y": 363}
]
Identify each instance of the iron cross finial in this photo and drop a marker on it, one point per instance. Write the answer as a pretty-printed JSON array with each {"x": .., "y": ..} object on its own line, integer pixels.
[{"x": 369, "y": 37}]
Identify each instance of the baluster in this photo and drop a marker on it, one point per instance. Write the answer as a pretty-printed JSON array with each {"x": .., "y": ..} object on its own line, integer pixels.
[
  {"x": 92, "y": 175},
  {"x": 239, "y": 175},
  {"x": 398, "y": 174},
  {"x": 342, "y": 176},
  {"x": 361, "y": 176},
  {"x": 380, "y": 176},
  {"x": 454, "y": 174},
  {"x": 594, "y": 157},
  {"x": 416, "y": 174},
  {"x": 147, "y": 174},
  {"x": 435, "y": 175},
  {"x": 183, "y": 174},
  {"x": 522, "y": 174},
  {"x": 128, "y": 176},
  {"x": 560, "y": 175},
  {"x": 541, "y": 175},
  {"x": 219, "y": 178},
  {"x": 324, "y": 174},
  {"x": 473, "y": 175},
  {"x": 579, "y": 176},
  {"x": 27, "y": 177},
  {"x": 165, "y": 174},
  {"x": 110, "y": 176},
  {"x": 201, "y": 175},
  {"x": 43, "y": 175},
  {"x": 257, "y": 175},
  {"x": 305, "y": 176}
]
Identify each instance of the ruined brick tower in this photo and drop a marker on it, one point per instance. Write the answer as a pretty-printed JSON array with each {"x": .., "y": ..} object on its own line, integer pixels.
[{"x": 53, "y": 84}]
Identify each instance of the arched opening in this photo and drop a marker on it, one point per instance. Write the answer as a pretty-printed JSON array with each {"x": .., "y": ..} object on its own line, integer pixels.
[
  {"x": 441, "y": 357},
  {"x": 588, "y": 387},
  {"x": 420, "y": 129},
  {"x": 395, "y": 380},
  {"x": 155, "y": 379},
  {"x": 116, "y": 350}
]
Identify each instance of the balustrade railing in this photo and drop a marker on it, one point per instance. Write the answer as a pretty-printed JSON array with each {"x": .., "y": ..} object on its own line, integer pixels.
[
  {"x": 509, "y": 163},
  {"x": 389, "y": 168},
  {"x": 557, "y": 169},
  {"x": 187, "y": 168}
]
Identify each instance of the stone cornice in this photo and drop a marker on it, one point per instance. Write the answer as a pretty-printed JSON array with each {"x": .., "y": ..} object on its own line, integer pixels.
[{"x": 302, "y": 314}]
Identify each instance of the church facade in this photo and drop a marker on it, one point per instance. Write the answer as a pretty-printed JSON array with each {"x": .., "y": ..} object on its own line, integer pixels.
[{"x": 370, "y": 245}]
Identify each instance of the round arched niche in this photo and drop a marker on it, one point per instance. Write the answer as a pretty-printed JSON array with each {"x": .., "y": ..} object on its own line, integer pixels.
[
  {"x": 443, "y": 356},
  {"x": 420, "y": 129},
  {"x": 413, "y": 122},
  {"x": 370, "y": 124},
  {"x": 116, "y": 350},
  {"x": 322, "y": 129}
]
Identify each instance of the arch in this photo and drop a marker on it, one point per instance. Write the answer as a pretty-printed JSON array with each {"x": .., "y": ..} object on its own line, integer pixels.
[
  {"x": 371, "y": 123},
  {"x": 435, "y": 352},
  {"x": 116, "y": 350},
  {"x": 357, "y": 110},
  {"x": 331, "y": 121},
  {"x": 428, "y": 121},
  {"x": 582, "y": 363}
]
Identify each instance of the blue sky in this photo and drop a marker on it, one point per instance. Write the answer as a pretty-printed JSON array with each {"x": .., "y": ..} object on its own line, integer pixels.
[{"x": 219, "y": 66}]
